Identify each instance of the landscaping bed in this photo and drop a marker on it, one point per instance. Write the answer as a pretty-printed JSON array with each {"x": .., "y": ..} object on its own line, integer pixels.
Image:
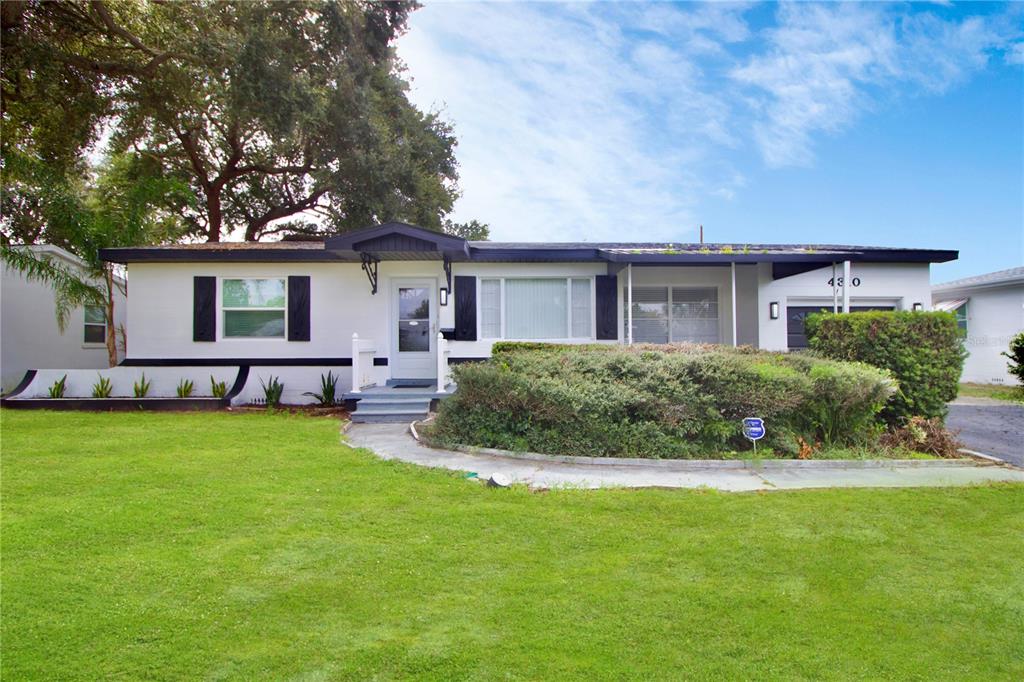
[{"x": 677, "y": 401}]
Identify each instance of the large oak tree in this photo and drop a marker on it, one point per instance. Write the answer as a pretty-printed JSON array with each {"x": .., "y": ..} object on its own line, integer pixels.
[{"x": 280, "y": 116}]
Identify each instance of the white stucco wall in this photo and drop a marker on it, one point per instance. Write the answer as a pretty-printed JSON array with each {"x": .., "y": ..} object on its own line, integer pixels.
[
  {"x": 994, "y": 316},
  {"x": 159, "y": 319},
  {"x": 160, "y": 323},
  {"x": 160, "y": 308},
  {"x": 30, "y": 337},
  {"x": 897, "y": 284}
]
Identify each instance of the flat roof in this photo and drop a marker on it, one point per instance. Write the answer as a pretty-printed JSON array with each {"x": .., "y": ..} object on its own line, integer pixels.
[{"x": 398, "y": 241}]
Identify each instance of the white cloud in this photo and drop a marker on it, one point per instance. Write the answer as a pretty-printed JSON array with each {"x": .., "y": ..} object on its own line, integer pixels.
[
  {"x": 568, "y": 128},
  {"x": 825, "y": 61},
  {"x": 619, "y": 121}
]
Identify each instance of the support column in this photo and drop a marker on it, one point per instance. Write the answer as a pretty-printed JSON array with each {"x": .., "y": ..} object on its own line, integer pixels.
[
  {"x": 732, "y": 279},
  {"x": 846, "y": 286},
  {"x": 629, "y": 303},
  {"x": 835, "y": 290}
]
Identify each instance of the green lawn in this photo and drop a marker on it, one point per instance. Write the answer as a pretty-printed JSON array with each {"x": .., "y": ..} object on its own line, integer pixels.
[
  {"x": 185, "y": 546},
  {"x": 1014, "y": 393}
]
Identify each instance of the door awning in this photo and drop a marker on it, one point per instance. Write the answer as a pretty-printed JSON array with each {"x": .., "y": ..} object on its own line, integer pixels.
[
  {"x": 400, "y": 241},
  {"x": 951, "y": 305}
]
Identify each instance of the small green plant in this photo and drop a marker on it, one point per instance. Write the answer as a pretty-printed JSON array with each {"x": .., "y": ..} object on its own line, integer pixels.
[
  {"x": 704, "y": 250},
  {"x": 58, "y": 388},
  {"x": 272, "y": 391},
  {"x": 746, "y": 249},
  {"x": 218, "y": 388},
  {"x": 727, "y": 250},
  {"x": 102, "y": 388},
  {"x": 1016, "y": 355},
  {"x": 328, "y": 390},
  {"x": 185, "y": 388},
  {"x": 141, "y": 387}
]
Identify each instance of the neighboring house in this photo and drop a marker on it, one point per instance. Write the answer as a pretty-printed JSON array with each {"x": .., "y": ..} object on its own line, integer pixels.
[
  {"x": 31, "y": 338},
  {"x": 285, "y": 305},
  {"x": 990, "y": 309}
]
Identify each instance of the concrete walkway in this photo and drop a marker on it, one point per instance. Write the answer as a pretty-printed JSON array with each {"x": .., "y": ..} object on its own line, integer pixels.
[{"x": 393, "y": 441}]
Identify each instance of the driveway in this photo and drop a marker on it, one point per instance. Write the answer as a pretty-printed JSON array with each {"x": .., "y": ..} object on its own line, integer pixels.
[{"x": 993, "y": 427}]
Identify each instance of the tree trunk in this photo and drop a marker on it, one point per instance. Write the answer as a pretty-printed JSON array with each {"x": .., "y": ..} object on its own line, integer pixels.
[
  {"x": 108, "y": 275},
  {"x": 214, "y": 217}
]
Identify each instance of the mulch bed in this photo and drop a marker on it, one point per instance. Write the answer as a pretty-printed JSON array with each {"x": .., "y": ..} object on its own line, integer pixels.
[{"x": 336, "y": 412}]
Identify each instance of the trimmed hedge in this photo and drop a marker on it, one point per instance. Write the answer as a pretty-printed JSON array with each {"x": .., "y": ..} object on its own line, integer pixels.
[
  {"x": 679, "y": 401},
  {"x": 924, "y": 351},
  {"x": 1016, "y": 355}
]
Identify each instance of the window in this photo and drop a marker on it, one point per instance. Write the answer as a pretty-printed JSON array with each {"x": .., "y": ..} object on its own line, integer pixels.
[
  {"x": 961, "y": 318},
  {"x": 95, "y": 324},
  {"x": 673, "y": 314},
  {"x": 490, "y": 308},
  {"x": 536, "y": 308},
  {"x": 253, "y": 307}
]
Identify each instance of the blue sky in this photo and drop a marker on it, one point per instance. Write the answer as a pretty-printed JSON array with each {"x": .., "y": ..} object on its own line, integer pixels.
[{"x": 885, "y": 124}]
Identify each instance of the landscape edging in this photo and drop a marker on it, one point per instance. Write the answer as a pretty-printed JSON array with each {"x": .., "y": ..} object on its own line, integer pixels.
[{"x": 702, "y": 464}]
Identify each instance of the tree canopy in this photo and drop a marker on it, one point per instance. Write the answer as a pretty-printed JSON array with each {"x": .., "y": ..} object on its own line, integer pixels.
[{"x": 277, "y": 116}]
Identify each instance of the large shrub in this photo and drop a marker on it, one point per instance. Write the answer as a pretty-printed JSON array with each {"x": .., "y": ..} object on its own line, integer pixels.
[
  {"x": 1016, "y": 355},
  {"x": 924, "y": 351},
  {"x": 657, "y": 401}
]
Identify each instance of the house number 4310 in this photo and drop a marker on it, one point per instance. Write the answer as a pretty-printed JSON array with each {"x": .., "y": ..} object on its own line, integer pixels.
[{"x": 854, "y": 281}]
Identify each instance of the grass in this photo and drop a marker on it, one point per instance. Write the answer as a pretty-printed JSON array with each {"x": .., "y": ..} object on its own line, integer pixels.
[
  {"x": 169, "y": 546},
  {"x": 1013, "y": 393}
]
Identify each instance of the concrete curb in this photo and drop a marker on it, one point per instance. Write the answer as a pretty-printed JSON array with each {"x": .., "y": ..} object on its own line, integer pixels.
[
  {"x": 706, "y": 464},
  {"x": 991, "y": 459}
]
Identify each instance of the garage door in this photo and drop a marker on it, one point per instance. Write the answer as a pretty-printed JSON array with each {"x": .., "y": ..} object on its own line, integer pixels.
[{"x": 796, "y": 336}]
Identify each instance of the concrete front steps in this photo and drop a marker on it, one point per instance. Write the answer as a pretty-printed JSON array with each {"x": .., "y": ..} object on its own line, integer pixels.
[{"x": 392, "y": 404}]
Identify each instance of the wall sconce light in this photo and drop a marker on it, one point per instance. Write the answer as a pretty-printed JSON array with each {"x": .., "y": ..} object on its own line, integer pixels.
[
  {"x": 918, "y": 307},
  {"x": 773, "y": 310},
  {"x": 444, "y": 296}
]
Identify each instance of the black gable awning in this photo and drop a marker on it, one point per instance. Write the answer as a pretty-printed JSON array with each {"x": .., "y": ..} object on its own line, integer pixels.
[{"x": 399, "y": 241}]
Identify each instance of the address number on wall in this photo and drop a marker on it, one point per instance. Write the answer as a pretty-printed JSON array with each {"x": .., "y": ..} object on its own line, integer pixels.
[{"x": 854, "y": 281}]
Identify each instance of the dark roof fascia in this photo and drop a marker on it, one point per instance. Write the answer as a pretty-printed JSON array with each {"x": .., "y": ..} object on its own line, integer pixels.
[
  {"x": 880, "y": 256},
  {"x": 521, "y": 255},
  {"x": 539, "y": 255},
  {"x": 444, "y": 243},
  {"x": 164, "y": 255}
]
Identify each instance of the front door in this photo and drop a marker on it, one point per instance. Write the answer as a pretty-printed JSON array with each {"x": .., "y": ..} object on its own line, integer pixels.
[{"x": 413, "y": 310}]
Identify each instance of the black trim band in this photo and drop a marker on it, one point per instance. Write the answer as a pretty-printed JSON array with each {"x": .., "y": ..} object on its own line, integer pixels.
[
  {"x": 231, "y": 362},
  {"x": 253, "y": 362},
  {"x": 23, "y": 384},
  {"x": 240, "y": 379}
]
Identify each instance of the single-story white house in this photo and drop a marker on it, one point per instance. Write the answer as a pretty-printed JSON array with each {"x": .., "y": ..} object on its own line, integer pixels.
[
  {"x": 396, "y": 303},
  {"x": 990, "y": 309},
  {"x": 31, "y": 338}
]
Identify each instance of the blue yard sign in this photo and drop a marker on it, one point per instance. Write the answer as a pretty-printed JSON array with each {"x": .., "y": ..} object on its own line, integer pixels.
[{"x": 753, "y": 429}]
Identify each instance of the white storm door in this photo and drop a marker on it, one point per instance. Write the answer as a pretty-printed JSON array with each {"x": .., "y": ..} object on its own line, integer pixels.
[{"x": 413, "y": 312}]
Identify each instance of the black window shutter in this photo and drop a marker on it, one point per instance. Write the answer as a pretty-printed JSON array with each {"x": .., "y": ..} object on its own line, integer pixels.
[
  {"x": 204, "y": 308},
  {"x": 607, "y": 312},
  {"x": 298, "y": 308},
  {"x": 465, "y": 308}
]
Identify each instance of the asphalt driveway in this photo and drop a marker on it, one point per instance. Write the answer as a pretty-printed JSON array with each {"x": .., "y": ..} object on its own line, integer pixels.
[{"x": 993, "y": 427}]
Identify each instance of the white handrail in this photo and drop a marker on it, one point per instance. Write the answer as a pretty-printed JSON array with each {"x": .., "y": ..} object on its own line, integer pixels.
[
  {"x": 442, "y": 363},
  {"x": 362, "y": 366}
]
